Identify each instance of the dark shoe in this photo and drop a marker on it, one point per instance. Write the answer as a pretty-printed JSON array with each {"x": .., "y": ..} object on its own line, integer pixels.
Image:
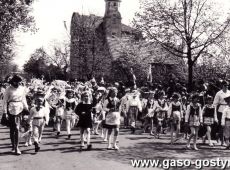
[
  {"x": 13, "y": 150},
  {"x": 58, "y": 133},
  {"x": 89, "y": 147},
  {"x": 69, "y": 136},
  {"x": 37, "y": 148},
  {"x": 132, "y": 130}
]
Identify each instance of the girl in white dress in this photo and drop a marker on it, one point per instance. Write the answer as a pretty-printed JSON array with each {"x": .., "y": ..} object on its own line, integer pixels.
[
  {"x": 225, "y": 122},
  {"x": 70, "y": 115},
  {"x": 193, "y": 117},
  {"x": 175, "y": 115}
]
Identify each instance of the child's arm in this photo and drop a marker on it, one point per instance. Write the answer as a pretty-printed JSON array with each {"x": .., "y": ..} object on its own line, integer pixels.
[
  {"x": 31, "y": 116},
  {"x": 181, "y": 110},
  {"x": 169, "y": 110},
  {"x": 139, "y": 105},
  {"x": 215, "y": 115},
  {"x": 187, "y": 114},
  {"x": 200, "y": 114},
  {"x": 105, "y": 106},
  {"x": 223, "y": 117}
]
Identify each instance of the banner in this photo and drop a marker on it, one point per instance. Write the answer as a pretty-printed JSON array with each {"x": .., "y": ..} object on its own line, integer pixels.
[{"x": 150, "y": 76}]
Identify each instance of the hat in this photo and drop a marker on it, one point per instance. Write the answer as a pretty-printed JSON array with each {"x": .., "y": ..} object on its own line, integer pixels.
[
  {"x": 85, "y": 93},
  {"x": 69, "y": 90},
  {"x": 39, "y": 94},
  {"x": 16, "y": 79},
  {"x": 195, "y": 96},
  {"x": 224, "y": 83},
  {"x": 175, "y": 96},
  {"x": 209, "y": 97},
  {"x": 101, "y": 89}
]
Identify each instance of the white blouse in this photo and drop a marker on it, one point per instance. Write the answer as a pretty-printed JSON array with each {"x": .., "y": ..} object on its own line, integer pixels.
[{"x": 15, "y": 100}]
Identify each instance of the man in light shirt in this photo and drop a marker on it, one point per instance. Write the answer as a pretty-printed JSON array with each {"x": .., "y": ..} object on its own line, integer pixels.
[
  {"x": 14, "y": 102},
  {"x": 220, "y": 104}
]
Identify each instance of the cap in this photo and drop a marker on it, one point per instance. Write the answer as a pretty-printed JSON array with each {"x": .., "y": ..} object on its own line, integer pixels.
[{"x": 15, "y": 78}]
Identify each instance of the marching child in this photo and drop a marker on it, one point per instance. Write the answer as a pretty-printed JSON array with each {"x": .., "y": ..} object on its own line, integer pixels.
[
  {"x": 70, "y": 115},
  {"x": 39, "y": 116},
  {"x": 175, "y": 115},
  {"x": 84, "y": 111},
  {"x": 59, "y": 115},
  {"x": 151, "y": 107},
  {"x": 193, "y": 118},
  {"x": 97, "y": 112},
  {"x": 161, "y": 114},
  {"x": 112, "y": 119},
  {"x": 134, "y": 106},
  {"x": 208, "y": 118},
  {"x": 225, "y": 121}
]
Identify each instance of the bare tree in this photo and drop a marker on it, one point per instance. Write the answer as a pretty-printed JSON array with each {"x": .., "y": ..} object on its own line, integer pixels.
[
  {"x": 185, "y": 28},
  {"x": 60, "y": 56}
]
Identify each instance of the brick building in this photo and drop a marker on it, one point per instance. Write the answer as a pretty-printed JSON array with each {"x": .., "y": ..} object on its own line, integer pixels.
[{"x": 98, "y": 42}]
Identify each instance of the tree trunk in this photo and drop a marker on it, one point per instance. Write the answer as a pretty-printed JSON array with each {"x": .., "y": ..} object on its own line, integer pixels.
[{"x": 190, "y": 76}]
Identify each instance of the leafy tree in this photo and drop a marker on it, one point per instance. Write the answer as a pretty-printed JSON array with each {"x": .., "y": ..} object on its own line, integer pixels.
[
  {"x": 40, "y": 64},
  {"x": 59, "y": 57},
  {"x": 14, "y": 15},
  {"x": 36, "y": 66},
  {"x": 185, "y": 28}
]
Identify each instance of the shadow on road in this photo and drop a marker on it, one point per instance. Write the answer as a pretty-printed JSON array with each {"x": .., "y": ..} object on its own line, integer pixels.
[{"x": 160, "y": 151}]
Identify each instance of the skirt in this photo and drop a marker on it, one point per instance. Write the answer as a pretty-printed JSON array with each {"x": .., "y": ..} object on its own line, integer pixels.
[
  {"x": 208, "y": 121},
  {"x": 227, "y": 129},
  {"x": 110, "y": 126},
  {"x": 194, "y": 121}
]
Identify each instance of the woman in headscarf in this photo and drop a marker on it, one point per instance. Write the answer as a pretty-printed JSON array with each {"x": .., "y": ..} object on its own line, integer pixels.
[{"x": 14, "y": 102}]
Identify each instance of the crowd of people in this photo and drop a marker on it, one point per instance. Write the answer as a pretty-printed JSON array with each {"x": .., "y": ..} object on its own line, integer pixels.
[{"x": 102, "y": 109}]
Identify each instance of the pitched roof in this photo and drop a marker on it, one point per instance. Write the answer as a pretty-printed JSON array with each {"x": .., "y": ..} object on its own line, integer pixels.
[
  {"x": 150, "y": 53},
  {"x": 96, "y": 21}
]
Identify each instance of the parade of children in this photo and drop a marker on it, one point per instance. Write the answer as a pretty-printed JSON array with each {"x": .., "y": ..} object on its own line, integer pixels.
[{"x": 102, "y": 111}]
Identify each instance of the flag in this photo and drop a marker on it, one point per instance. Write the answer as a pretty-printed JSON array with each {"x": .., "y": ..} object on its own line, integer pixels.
[
  {"x": 150, "y": 76},
  {"x": 65, "y": 25}
]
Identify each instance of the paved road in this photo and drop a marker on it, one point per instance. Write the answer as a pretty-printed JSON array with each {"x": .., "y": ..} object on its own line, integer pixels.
[{"x": 63, "y": 154}]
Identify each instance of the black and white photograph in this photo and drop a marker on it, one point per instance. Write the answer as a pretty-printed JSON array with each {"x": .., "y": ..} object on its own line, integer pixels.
[{"x": 114, "y": 84}]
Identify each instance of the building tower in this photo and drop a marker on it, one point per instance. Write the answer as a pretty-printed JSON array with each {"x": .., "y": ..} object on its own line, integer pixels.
[{"x": 112, "y": 18}]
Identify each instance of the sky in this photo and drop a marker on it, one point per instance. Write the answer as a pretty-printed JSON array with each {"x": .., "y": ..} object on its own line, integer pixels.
[{"x": 50, "y": 16}]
